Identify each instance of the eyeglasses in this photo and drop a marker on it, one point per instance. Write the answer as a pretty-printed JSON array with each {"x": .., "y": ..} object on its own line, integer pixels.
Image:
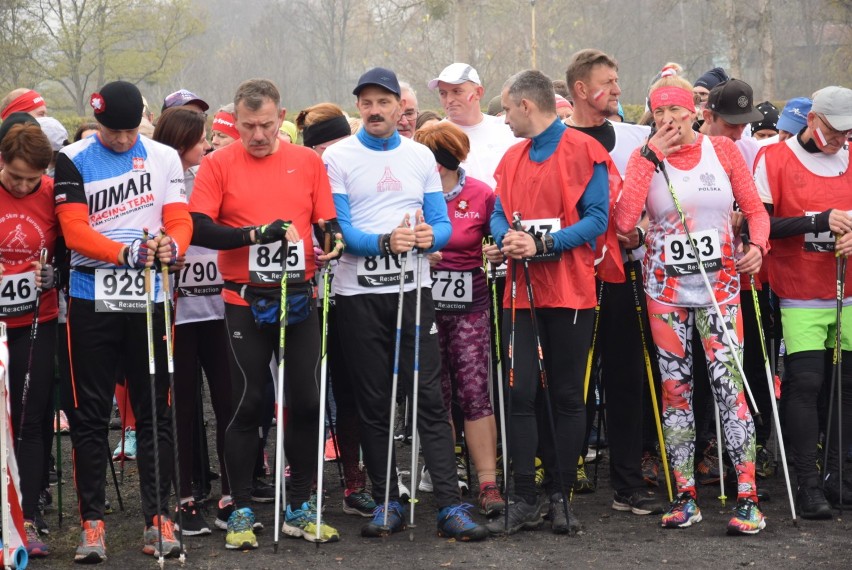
[
  {"x": 410, "y": 115},
  {"x": 831, "y": 131}
]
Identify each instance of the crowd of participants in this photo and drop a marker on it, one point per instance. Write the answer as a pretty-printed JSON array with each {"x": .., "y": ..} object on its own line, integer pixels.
[{"x": 548, "y": 223}]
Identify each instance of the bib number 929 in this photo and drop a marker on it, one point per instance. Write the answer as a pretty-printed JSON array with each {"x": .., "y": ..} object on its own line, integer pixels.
[{"x": 120, "y": 290}]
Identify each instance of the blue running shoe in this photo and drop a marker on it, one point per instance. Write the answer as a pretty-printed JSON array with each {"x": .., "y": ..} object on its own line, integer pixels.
[
  {"x": 377, "y": 528},
  {"x": 455, "y": 522}
]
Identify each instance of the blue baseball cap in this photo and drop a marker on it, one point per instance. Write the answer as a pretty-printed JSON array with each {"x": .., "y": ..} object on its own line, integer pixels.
[
  {"x": 794, "y": 116},
  {"x": 381, "y": 77}
]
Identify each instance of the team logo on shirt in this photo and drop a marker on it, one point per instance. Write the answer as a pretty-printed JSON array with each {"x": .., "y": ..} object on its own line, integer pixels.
[
  {"x": 463, "y": 205},
  {"x": 18, "y": 233},
  {"x": 138, "y": 163},
  {"x": 388, "y": 182},
  {"x": 708, "y": 183}
]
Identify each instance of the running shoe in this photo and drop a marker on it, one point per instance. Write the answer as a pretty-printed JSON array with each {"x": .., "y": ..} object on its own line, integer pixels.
[
  {"x": 638, "y": 503},
  {"x": 192, "y": 521},
  {"x": 35, "y": 547},
  {"x": 522, "y": 515},
  {"x": 330, "y": 450},
  {"x": 223, "y": 515},
  {"x": 583, "y": 484},
  {"x": 262, "y": 492},
  {"x": 539, "y": 473},
  {"x": 377, "y": 528},
  {"x": 92, "y": 547},
  {"x": 556, "y": 512},
  {"x": 302, "y": 523},
  {"x": 764, "y": 465},
  {"x": 811, "y": 502},
  {"x": 404, "y": 491},
  {"x": 747, "y": 518},
  {"x": 650, "y": 469},
  {"x": 425, "y": 484},
  {"x": 683, "y": 512},
  {"x": 169, "y": 546},
  {"x": 491, "y": 501},
  {"x": 129, "y": 446},
  {"x": 455, "y": 522},
  {"x": 707, "y": 470},
  {"x": 359, "y": 503},
  {"x": 240, "y": 534},
  {"x": 40, "y": 523},
  {"x": 837, "y": 493},
  {"x": 62, "y": 426}
]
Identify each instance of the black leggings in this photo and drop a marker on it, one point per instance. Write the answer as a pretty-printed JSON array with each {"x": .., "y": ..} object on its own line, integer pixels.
[
  {"x": 29, "y": 441},
  {"x": 201, "y": 343},
  {"x": 249, "y": 350},
  {"x": 566, "y": 335},
  {"x": 806, "y": 375}
]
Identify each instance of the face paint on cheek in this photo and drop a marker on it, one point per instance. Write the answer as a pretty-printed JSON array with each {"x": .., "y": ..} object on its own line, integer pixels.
[
  {"x": 469, "y": 97},
  {"x": 598, "y": 95},
  {"x": 684, "y": 117},
  {"x": 820, "y": 137}
]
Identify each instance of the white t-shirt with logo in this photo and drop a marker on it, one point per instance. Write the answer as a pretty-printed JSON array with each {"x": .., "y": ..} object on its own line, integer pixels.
[{"x": 489, "y": 141}]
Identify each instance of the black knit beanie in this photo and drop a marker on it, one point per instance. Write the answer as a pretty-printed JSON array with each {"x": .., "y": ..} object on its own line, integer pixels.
[{"x": 118, "y": 106}]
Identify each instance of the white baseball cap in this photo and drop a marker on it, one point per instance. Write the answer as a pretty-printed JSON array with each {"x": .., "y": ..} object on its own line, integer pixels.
[
  {"x": 456, "y": 74},
  {"x": 836, "y": 104}
]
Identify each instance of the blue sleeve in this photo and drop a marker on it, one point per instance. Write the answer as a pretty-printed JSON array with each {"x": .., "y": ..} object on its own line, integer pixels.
[
  {"x": 435, "y": 214},
  {"x": 357, "y": 242},
  {"x": 593, "y": 208},
  {"x": 499, "y": 223}
]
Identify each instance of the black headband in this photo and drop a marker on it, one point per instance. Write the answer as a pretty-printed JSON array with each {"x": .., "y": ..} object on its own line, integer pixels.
[
  {"x": 324, "y": 131},
  {"x": 446, "y": 159}
]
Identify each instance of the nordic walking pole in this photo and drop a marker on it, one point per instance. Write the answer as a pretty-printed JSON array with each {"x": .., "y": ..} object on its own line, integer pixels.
[
  {"x": 280, "y": 486},
  {"x": 170, "y": 360},
  {"x": 58, "y": 439},
  {"x": 414, "y": 395},
  {"x": 123, "y": 430},
  {"x": 770, "y": 379},
  {"x": 590, "y": 358},
  {"x": 513, "y": 277},
  {"x": 500, "y": 392},
  {"x": 542, "y": 373},
  {"x": 394, "y": 385},
  {"x": 719, "y": 449},
  {"x": 728, "y": 338},
  {"x": 323, "y": 402},
  {"x": 33, "y": 335},
  {"x": 634, "y": 283},
  {"x": 114, "y": 480},
  {"x": 836, "y": 379},
  {"x": 152, "y": 372}
]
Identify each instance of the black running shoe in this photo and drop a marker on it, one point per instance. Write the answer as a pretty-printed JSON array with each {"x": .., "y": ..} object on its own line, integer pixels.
[{"x": 522, "y": 515}]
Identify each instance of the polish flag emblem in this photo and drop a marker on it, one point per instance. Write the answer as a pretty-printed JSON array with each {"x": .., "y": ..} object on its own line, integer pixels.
[
  {"x": 97, "y": 102},
  {"x": 138, "y": 163}
]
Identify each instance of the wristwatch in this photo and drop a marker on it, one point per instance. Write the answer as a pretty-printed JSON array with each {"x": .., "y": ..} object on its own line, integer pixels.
[{"x": 548, "y": 243}]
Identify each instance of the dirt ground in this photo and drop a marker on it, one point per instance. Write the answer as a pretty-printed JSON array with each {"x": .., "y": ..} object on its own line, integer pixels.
[{"x": 611, "y": 539}]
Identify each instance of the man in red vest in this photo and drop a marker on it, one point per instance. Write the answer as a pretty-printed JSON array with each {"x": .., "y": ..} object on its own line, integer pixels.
[
  {"x": 558, "y": 182},
  {"x": 807, "y": 183}
]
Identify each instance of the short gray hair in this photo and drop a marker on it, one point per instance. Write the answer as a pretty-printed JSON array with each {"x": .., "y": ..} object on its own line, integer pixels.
[
  {"x": 229, "y": 108},
  {"x": 253, "y": 92},
  {"x": 533, "y": 85}
]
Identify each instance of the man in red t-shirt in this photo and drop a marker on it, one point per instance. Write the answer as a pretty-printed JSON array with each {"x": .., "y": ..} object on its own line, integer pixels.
[{"x": 242, "y": 195}]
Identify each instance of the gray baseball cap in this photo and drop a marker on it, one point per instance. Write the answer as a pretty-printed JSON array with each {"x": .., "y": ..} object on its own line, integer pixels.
[{"x": 835, "y": 104}]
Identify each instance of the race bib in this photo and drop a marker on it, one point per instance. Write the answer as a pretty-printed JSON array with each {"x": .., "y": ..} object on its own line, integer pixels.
[
  {"x": 17, "y": 294},
  {"x": 819, "y": 242},
  {"x": 452, "y": 290},
  {"x": 382, "y": 271},
  {"x": 200, "y": 277},
  {"x": 680, "y": 256},
  {"x": 120, "y": 290},
  {"x": 265, "y": 263},
  {"x": 542, "y": 228}
]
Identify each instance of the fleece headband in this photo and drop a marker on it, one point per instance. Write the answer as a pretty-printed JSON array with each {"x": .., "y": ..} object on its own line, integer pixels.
[
  {"x": 225, "y": 123},
  {"x": 665, "y": 96},
  {"x": 445, "y": 158},
  {"x": 23, "y": 103},
  {"x": 324, "y": 131}
]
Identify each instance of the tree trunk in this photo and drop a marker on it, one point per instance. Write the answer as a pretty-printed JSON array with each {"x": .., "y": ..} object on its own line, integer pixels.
[
  {"x": 767, "y": 49},
  {"x": 461, "y": 43}
]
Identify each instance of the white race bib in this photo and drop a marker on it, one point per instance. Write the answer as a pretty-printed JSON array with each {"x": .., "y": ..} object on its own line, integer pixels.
[
  {"x": 680, "y": 257},
  {"x": 542, "y": 228},
  {"x": 201, "y": 276},
  {"x": 452, "y": 290},
  {"x": 383, "y": 270},
  {"x": 17, "y": 294},
  {"x": 820, "y": 242},
  {"x": 120, "y": 290},
  {"x": 265, "y": 262}
]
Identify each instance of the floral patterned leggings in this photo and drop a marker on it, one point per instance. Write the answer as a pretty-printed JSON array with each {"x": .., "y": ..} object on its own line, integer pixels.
[{"x": 672, "y": 328}]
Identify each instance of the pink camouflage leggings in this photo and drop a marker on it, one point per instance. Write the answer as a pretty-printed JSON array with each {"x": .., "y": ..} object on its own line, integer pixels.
[{"x": 465, "y": 344}]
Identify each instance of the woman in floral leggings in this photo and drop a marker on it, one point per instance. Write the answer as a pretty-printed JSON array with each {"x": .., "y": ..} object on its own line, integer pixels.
[{"x": 708, "y": 174}]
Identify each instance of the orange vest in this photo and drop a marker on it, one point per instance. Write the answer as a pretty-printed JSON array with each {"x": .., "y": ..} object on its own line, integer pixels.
[
  {"x": 551, "y": 189},
  {"x": 793, "y": 272}
]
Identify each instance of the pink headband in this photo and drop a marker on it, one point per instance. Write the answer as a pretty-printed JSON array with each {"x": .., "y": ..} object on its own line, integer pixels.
[
  {"x": 23, "y": 103},
  {"x": 665, "y": 96},
  {"x": 225, "y": 123}
]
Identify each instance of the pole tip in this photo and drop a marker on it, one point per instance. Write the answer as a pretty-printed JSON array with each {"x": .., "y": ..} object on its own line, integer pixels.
[{"x": 275, "y": 548}]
